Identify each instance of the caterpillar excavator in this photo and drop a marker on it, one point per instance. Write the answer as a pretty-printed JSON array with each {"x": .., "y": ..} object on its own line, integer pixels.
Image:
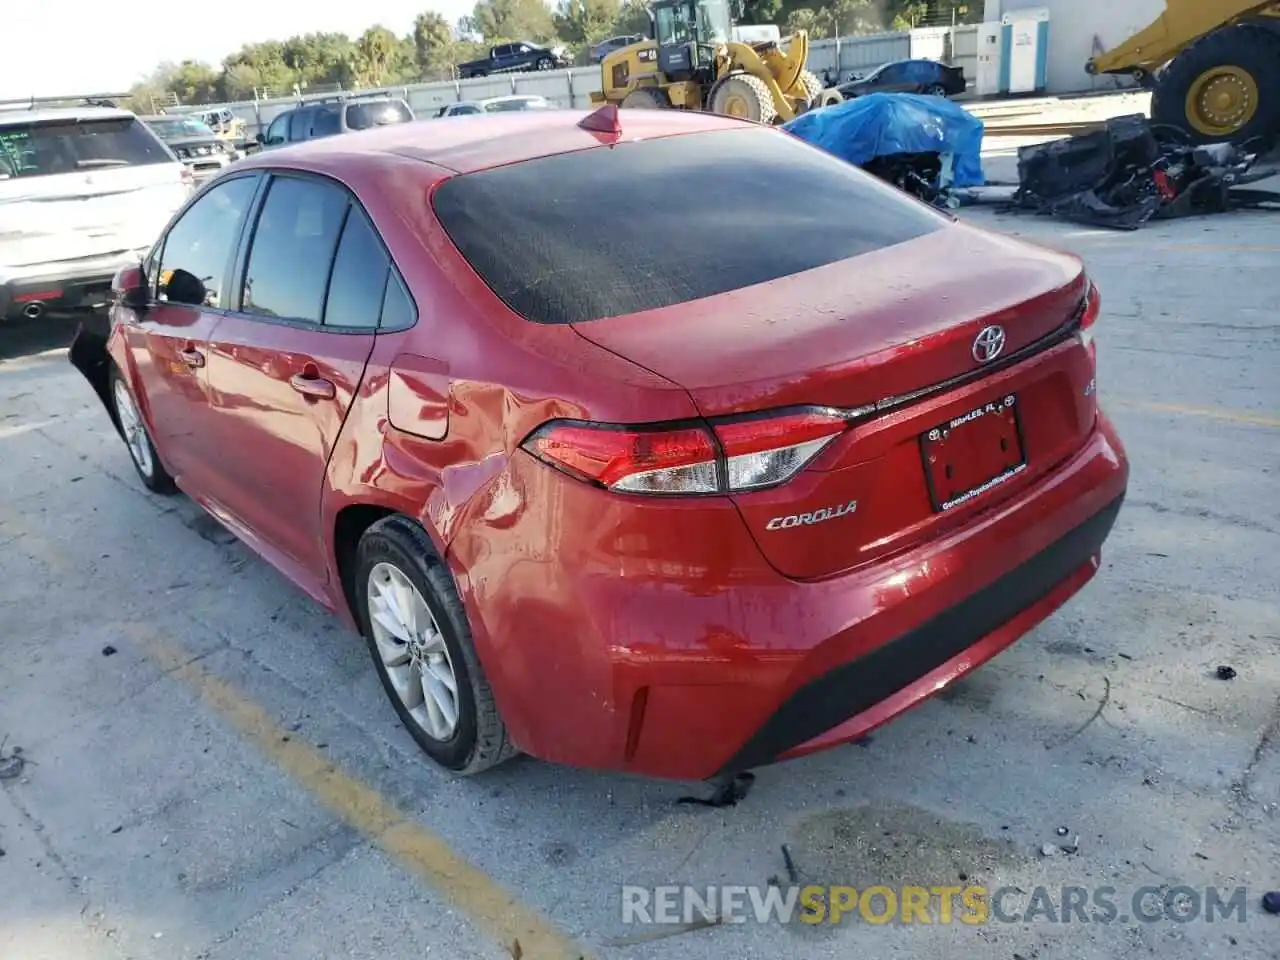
[
  {"x": 691, "y": 61},
  {"x": 1213, "y": 67}
]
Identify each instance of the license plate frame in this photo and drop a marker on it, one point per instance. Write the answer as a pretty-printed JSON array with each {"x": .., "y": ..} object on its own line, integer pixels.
[{"x": 994, "y": 432}]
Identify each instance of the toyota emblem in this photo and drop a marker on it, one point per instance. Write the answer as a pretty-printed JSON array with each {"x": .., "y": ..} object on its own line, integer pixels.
[{"x": 988, "y": 344}]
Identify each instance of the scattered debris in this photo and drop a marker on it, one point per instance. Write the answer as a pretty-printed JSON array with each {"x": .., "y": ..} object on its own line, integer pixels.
[
  {"x": 117, "y": 829},
  {"x": 1063, "y": 831},
  {"x": 1132, "y": 171},
  {"x": 1225, "y": 672},
  {"x": 792, "y": 874},
  {"x": 516, "y": 950},
  {"x": 1060, "y": 849},
  {"x": 1102, "y": 705},
  {"x": 1199, "y": 856},
  {"x": 108, "y": 651},
  {"x": 727, "y": 791},
  {"x": 675, "y": 930},
  {"x": 11, "y": 764},
  {"x": 1271, "y": 901}
]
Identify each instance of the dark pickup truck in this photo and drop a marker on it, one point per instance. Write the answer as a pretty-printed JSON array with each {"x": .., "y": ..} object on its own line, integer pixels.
[{"x": 515, "y": 58}]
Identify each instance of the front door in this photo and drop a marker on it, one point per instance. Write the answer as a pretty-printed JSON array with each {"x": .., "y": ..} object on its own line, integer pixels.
[
  {"x": 286, "y": 365},
  {"x": 190, "y": 277}
]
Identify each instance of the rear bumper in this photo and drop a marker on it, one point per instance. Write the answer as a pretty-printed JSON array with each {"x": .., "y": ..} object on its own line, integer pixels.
[
  {"x": 715, "y": 663},
  {"x": 67, "y": 288}
]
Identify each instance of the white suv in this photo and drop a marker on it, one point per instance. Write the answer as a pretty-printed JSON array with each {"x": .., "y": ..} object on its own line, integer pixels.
[{"x": 83, "y": 192}]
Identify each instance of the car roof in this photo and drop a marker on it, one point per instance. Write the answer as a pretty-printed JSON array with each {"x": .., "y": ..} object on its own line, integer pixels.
[
  {"x": 487, "y": 140},
  {"x": 47, "y": 114}
]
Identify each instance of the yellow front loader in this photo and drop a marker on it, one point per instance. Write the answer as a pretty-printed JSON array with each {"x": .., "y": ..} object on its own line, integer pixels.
[
  {"x": 1213, "y": 67},
  {"x": 692, "y": 62}
]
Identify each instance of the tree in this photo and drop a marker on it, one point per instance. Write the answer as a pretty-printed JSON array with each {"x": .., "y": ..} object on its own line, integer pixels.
[
  {"x": 319, "y": 58},
  {"x": 496, "y": 20},
  {"x": 432, "y": 38},
  {"x": 761, "y": 11},
  {"x": 381, "y": 58},
  {"x": 633, "y": 18},
  {"x": 586, "y": 21}
]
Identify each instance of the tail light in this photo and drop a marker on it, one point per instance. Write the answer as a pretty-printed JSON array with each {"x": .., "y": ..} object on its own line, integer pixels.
[
  {"x": 730, "y": 455},
  {"x": 1088, "y": 317}
]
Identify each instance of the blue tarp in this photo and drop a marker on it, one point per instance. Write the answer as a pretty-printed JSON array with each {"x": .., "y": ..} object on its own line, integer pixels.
[{"x": 882, "y": 124}]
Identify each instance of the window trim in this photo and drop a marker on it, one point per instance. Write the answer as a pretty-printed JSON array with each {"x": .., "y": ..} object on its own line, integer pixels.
[{"x": 245, "y": 248}]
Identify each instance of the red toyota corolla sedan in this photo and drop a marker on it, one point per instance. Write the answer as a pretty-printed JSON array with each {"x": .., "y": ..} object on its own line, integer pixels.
[{"x": 666, "y": 443}]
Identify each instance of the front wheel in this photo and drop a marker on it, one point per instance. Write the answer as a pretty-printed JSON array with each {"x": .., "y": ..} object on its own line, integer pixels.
[
  {"x": 136, "y": 438},
  {"x": 418, "y": 634},
  {"x": 935, "y": 90},
  {"x": 546, "y": 63}
]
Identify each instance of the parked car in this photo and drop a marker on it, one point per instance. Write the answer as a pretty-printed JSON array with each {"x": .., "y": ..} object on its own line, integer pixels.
[
  {"x": 516, "y": 58},
  {"x": 194, "y": 144},
  {"x": 82, "y": 191},
  {"x": 333, "y": 116},
  {"x": 908, "y": 76},
  {"x": 605, "y": 47},
  {"x": 495, "y": 105},
  {"x": 599, "y": 490}
]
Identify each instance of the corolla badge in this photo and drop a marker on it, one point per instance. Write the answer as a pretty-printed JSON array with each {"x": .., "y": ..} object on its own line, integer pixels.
[
  {"x": 988, "y": 344},
  {"x": 820, "y": 515}
]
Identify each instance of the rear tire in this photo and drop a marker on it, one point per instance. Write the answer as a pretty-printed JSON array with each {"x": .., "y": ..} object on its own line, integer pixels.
[
  {"x": 545, "y": 63},
  {"x": 812, "y": 89},
  {"x": 1224, "y": 87},
  {"x": 137, "y": 439},
  {"x": 397, "y": 550},
  {"x": 935, "y": 90},
  {"x": 742, "y": 95},
  {"x": 646, "y": 98}
]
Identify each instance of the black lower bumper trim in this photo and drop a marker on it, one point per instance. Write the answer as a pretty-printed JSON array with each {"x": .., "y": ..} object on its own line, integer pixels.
[{"x": 858, "y": 685}]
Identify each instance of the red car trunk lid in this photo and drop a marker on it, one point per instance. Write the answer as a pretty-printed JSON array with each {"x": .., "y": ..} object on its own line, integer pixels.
[{"x": 887, "y": 324}]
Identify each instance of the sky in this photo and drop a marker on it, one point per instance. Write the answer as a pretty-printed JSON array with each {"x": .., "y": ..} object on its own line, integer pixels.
[{"x": 72, "y": 47}]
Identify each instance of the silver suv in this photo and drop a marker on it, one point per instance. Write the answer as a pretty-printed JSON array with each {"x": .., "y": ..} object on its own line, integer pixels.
[{"x": 83, "y": 192}]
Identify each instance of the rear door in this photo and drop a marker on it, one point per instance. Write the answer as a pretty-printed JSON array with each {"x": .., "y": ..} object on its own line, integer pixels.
[
  {"x": 82, "y": 188},
  {"x": 170, "y": 340},
  {"x": 285, "y": 365}
]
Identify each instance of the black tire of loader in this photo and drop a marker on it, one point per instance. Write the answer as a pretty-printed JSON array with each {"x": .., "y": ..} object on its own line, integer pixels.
[{"x": 1254, "y": 49}]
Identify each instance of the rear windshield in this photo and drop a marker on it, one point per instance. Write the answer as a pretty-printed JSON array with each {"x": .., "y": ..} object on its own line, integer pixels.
[
  {"x": 41, "y": 149},
  {"x": 702, "y": 214},
  {"x": 361, "y": 116},
  {"x": 503, "y": 106}
]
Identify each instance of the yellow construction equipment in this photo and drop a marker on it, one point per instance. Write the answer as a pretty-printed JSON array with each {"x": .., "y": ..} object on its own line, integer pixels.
[
  {"x": 691, "y": 62},
  {"x": 1213, "y": 67}
]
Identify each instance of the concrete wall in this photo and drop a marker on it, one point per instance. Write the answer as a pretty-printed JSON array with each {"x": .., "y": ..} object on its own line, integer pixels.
[{"x": 1080, "y": 28}]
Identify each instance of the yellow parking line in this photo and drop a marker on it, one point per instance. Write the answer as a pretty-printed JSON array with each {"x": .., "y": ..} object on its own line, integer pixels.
[
  {"x": 1211, "y": 413},
  {"x": 473, "y": 892},
  {"x": 417, "y": 849}
]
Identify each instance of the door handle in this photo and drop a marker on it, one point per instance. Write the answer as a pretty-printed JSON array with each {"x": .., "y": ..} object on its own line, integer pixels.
[
  {"x": 192, "y": 357},
  {"x": 310, "y": 385}
]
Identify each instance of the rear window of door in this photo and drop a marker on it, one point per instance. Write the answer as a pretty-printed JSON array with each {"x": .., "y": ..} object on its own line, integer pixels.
[
  {"x": 359, "y": 280},
  {"x": 292, "y": 248},
  {"x": 326, "y": 122},
  {"x": 202, "y": 241},
  {"x": 278, "y": 130},
  {"x": 706, "y": 215},
  {"x": 72, "y": 146},
  {"x": 300, "y": 124}
]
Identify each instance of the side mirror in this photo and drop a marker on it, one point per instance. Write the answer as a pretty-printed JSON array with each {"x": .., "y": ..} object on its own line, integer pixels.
[
  {"x": 129, "y": 287},
  {"x": 186, "y": 288},
  {"x": 261, "y": 139}
]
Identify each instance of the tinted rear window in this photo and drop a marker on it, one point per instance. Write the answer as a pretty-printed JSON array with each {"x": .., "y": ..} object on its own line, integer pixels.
[
  {"x": 705, "y": 214},
  {"x": 41, "y": 149},
  {"x": 361, "y": 116}
]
